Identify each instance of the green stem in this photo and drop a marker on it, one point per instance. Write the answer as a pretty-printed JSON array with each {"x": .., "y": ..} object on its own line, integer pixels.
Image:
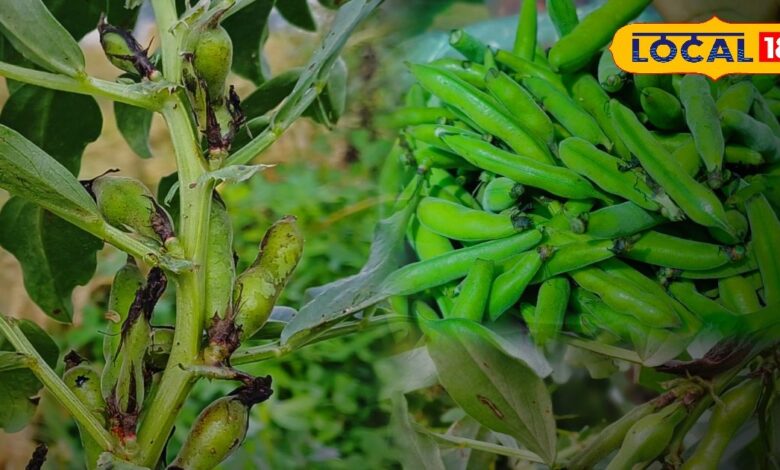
[
  {"x": 195, "y": 197},
  {"x": 55, "y": 385},
  {"x": 455, "y": 441},
  {"x": 275, "y": 350},
  {"x": 603, "y": 349},
  {"x": 167, "y": 18},
  {"x": 255, "y": 147},
  {"x": 129, "y": 94},
  {"x": 132, "y": 246}
]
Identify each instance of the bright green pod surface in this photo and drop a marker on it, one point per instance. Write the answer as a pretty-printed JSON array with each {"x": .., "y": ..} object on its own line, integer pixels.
[
  {"x": 752, "y": 133},
  {"x": 473, "y": 298},
  {"x": 520, "y": 104},
  {"x": 509, "y": 286},
  {"x": 472, "y": 73},
  {"x": 461, "y": 223},
  {"x": 470, "y": 47},
  {"x": 525, "y": 37},
  {"x": 765, "y": 229},
  {"x": 213, "y": 57},
  {"x": 125, "y": 203},
  {"x": 524, "y": 68},
  {"x": 595, "y": 31},
  {"x": 611, "y": 78},
  {"x": 554, "y": 179},
  {"x": 220, "y": 265},
  {"x": 567, "y": 112},
  {"x": 701, "y": 114},
  {"x": 738, "y": 295},
  {"x": 698, "y": 202},
  {"x": 678, "y": 253},
  {"x": 687, "y": 156},
  {"x": 482, "y": 109},
  {"x": 587, "y": 92},
  {"x": 621, "y": 220},
  {"x": 551, "y": 308},
  {"x": 500, "y": 194},
  {"x": 739, "y": 97},
  {"x": 426, "y": 243},
  {"x": 417, "y": 277},
  {"x": 663, "y": 109},
  {"x": 563, "y": 14}
]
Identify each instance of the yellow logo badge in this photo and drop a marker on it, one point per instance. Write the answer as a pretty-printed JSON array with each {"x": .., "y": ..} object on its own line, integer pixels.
[{"x": 714, "y": 48}]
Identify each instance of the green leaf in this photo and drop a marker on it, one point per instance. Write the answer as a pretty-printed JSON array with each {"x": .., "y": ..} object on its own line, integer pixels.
[
  {"x": 18, "y": 387},
  {"x": 80, "y": 20},
  {"x": 493, "y": 386},
  {"x": 10, "y": 360},
  {"x": 36, "y": 33},
  {"x": 330, "y": 104},
  {"x": 249, "y": 30},
  {"x": 168, "y": 195},
  {"x": 55, "y": 255},
  {"x": 232, "y": 174},
  {"x": 271, "y": 93},
  {"x": 406, "y": 372},
  {"x": 298, "y": 13},
  {"x": 305, "y": 92},
  {"x": 417, "y": 451},
  {"x": 27, "y": 171},
  {"x": 343, "y": 298},
  {"x": 460, "y": 457},
  {"x": 46, "y": 118},
  {"x": 134, "y": 124}
]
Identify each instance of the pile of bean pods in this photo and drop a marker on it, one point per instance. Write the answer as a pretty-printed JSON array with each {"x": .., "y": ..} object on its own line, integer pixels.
[{"x": 640, "y": 211}]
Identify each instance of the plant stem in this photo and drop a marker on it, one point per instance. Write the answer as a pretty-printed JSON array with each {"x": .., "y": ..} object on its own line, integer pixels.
[
  {"x": 166, "y": 17},
  {"x": 129, "y": 94},
  {"x": 603, "y": 349},
  {"x": 151, "y": 256},
  {"x": 274, "y": 349},
  {"x": 55, "y": 385},
  {"x": 455, "y": 441}
]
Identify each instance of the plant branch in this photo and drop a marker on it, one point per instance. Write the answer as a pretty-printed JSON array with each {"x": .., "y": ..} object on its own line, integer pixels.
[
  {"x": 167, "y": 18},
  {"x": 132, "y": 246},
  {"x": 55, "y": 385},
  {"x": 455, "y": 441},
  {"x": 603, "y": 349},
  {"x": 275, "y": 350},
  {"x": 130, "y": 94}
]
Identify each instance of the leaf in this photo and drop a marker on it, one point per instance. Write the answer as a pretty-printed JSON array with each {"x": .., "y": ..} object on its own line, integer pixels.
[
  {"x": 19, "y": 386},
  {"x": 61, "y": 124},
  {"x": 232, "y": 174},
  {"x": 271, "y": 93},
  {"x": 406, "y": 372},
  {"x": 84, "y": 18},
  {"x": 417, "y": 451},
  {"x": 280, "y": 317},
  {"x": 348, "y": 296},
  {"x": 493, "y": 386},
  {"x": 36, "y": 33},
  {"x": 55, "y": 255},
  {"x": 249, "y": 31},
  {"x": 27, "y": 171},
  {"x": 167, "y": 193},
  {"x": 347, "y": 19},
  {"x": 298, "y": 13},
  {"x": 134, "y": 124},
  {"x": 12, "y": 361},
  {"x": 330, "y": 104}
]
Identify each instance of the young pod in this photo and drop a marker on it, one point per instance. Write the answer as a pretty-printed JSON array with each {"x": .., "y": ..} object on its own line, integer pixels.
[
  {"x": 500, "y": 194},
  {"x": 220, "y": 428},
  {"x": 678, "y": 253},
  {"x": 127, "y": 281},
  {"x": 473, "y": 225},
  {"x": 473, "y": 297},
  {"x": 663, "y": 109},
  {"x": 220, "y": 264},
  {"x": 611, "y": 78},
  {"x": 648, "y": 438},
  {"x": 159, "y": 350},
  {"x": 509, "y": 286},
  {"x": 212, "y": 59},
  {"x": 258, "y": 287},
  {"x": 127, "y": 204},
  {"x": 551, "y": 309},
  {"x": 84, "y": 382},
  {"x": 124, "y": 52}
]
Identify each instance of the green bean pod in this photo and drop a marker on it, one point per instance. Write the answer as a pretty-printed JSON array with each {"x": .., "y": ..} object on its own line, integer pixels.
[
  {"x": 624, "y": 296},
  {"x": 621, "y": 220},
  {"x": 587, "y": 92},
  {"x": 738, "y": 295},
  {"x": 752, "y": 133},
  {"x": 431, "y": 157},
  {"x": 523, "y": 68},
  {"x": 426, "y": 243},
  {"x": 525, "y": 37},
  {"x": 258, "y": 288},
  {"x": 763, "y": 82},
  {"x": 509, "y": 286},
  {"x": 709, "y": 311},
  {"x": 567, "y": 112},
  {"x": 663, "y": 109},
  {"x": 551, "y": 308},
  {"x": 443, "y": 185},
  {"x": 575, "y": 50},
  {"x": 763, "y": 113},
  {"x": 500, "y": 194},
  {"x": 408, "y": 116},
  {"x": 520, "y": 104},
  {"x": 611, "y": 78},
  {"x": 573, "y": 256},
  {"x": 470, "y": 47},
  {"x": 672, "y": 141},
  {"x": 472, "y": 73},
  {"x": 429, "y": 134},
  {"x": 739, "y": 97},
  {"x": 698, "y": 202},
  {"x": 220, "y": 265},
  {"x": 482, "y": 109},
  {"x": 212, "y": 59},
  {"x": 457, "y": 222},
  {"x": 84, "y": 382},
  {"x": 563, "y": 14},
  {"x": 599, "y": 315},
  {"x": 605, "y": 170},
  {"x": 678, "y": 253},
  {"x": 127, "y": 281},
  {"x": 648, "y": 438},
  {"x": 739, "y": 222},
  {"x": 475, "y": 292},
  {"x": 701, "y": 114},
  {"x": 740, "y": 155},
  {"x": 553, "y": 179},
  {"x": 765, "y": 228},
  {"x": 417, "y": 277},
  {"x": 733, "y": 410}
]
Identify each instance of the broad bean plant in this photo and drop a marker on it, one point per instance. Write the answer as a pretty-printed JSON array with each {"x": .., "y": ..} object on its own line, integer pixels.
[{"x": 181, "y": 239}]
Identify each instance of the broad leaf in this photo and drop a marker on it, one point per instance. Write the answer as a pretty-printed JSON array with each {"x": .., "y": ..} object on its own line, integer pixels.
[
  {"x": 79, "y": 19},
  {"x": 406, "y": 372},
  {"x": 418, "y": 451},
  {"x": 298, "y": 13},
  {"x": 493, "y": 386},
  {"x": 271, "y": 93},
  {"x": 35, "y": 32},
  {"x": 18, "y": 387},
  {"x": 249, "y": 30},
  {"x": 134, "y": 124},
  {"x": 55, "y": 255},
  {"x": 27, "y": 171},
  {"x": 345, "y": 297},
  {"x": 46, "y": 118}
]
